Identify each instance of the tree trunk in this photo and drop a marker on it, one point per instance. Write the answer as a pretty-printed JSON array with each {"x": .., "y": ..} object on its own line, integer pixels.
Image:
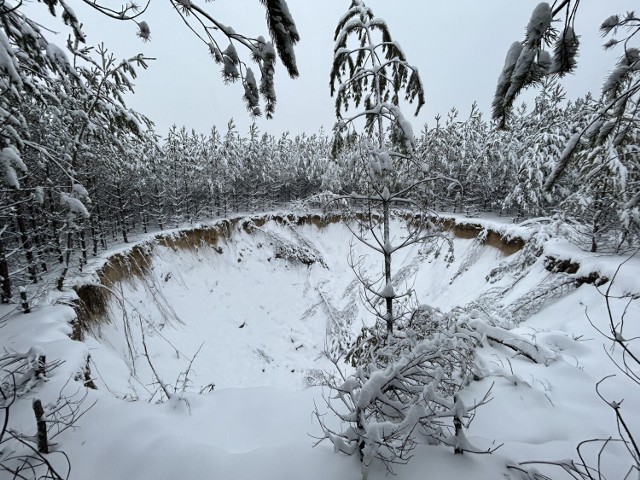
[
  {"x": 43, "y": 443},
  {"x": 5, "y": 292},
  {"x": 387, "y": 264},
  {"x": 123, "y": 223},
  {"x": 25, "y": 239},
  {"x": 55, "y": 231},
  {"x": 37, "y": 237},
  {"x": 596, "y": 222},
  {"x": 83, "y": 249},
  {"x": 65, "y": 270}
]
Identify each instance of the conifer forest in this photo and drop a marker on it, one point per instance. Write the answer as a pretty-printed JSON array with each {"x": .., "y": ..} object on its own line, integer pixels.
[{"x": 372, "y": 299}]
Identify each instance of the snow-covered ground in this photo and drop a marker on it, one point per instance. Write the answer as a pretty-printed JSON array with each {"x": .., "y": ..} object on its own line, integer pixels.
[{"x": 249, "y": 319}]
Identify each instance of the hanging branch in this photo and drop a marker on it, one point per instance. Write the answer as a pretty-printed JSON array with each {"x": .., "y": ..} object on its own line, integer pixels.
[{"x": 528, "y": 61}]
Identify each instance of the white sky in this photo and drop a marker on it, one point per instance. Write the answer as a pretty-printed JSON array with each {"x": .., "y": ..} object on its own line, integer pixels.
[{"x": 458, "y": 46}]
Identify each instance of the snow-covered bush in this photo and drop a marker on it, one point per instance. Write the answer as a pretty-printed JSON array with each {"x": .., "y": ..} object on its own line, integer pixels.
[
  {"x": 26, "y": 455},
  {"x": 622, "y": 347},
  {"x": 405, "y": 390}
]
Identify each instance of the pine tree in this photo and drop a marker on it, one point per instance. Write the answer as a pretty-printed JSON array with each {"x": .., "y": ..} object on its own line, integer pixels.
[
  {"x": 383, "y": 409},
  {"x": 372, "y": 72},
  {"x": 528, "y": 62}
]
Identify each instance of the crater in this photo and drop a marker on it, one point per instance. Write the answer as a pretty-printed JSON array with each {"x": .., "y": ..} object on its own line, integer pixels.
[{"x": 260, "y": 302}]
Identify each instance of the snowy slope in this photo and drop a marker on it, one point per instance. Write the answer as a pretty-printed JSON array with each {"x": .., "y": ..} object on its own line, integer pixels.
[{"x": 259, "y": 309}]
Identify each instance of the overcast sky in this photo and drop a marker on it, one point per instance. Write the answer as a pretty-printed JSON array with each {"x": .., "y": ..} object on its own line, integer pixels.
[{"x": 458, "y": 46}]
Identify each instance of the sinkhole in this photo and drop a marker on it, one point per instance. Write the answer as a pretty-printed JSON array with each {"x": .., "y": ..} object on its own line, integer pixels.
[{"x": 256, "y": 302}]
